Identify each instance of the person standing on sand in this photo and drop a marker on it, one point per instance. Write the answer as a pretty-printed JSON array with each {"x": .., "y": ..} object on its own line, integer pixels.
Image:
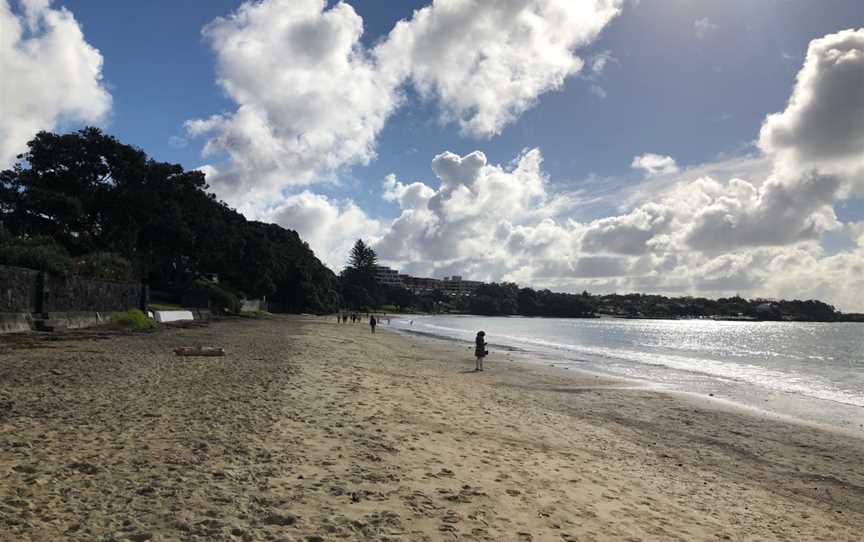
[
  {"x": 372, "y": 323},
  {"x": 480, "y": 351}
]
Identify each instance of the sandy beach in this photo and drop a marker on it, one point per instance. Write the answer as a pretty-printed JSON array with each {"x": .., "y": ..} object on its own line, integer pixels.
[{"x": 308, "y": 430}]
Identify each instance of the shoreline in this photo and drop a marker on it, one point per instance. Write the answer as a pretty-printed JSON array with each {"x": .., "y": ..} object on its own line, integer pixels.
[
  {"x": 697, "y": 399},
  {"x": 308, "y": 428},
  {"x": 780, "y": 409}
]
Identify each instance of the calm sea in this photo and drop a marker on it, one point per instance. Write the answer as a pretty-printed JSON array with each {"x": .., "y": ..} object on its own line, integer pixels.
[{"x": 809, "y": 371}]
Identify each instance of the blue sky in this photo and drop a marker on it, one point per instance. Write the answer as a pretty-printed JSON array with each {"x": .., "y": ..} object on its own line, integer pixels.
[
  {"x": 693, "y": 81},
  {"x": 665, "y": 85}
]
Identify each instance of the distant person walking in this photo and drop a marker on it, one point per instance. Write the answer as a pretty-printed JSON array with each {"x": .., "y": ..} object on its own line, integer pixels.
[
  {"x": 372, "y": 323},
  {"x": 480, "y": 351}
]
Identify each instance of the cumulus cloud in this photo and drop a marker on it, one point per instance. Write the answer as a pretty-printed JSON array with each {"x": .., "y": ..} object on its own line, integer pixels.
[
  {"x": 311, "y": 99},
  {"x": 655, "y": 164},
  {"x": 487, "y": 61},
  {"x": 483, "y": 216},
  {"x": 329, "y": 226},
  {"x": 821, "y": 127},
  {"x": 50, "y": 74},
  {"x": 817, "y": 148}
]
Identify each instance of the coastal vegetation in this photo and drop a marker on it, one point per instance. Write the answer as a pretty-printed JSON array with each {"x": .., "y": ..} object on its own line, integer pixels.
[
  {"x": 508, "y": 299},
  {"x": 85, "y": 202},
  {"x": 134, "y": 319}
]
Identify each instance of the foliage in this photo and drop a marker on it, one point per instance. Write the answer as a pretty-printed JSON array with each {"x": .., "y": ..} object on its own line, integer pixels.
[
  {"x": 658, "y": 306},
  {"x": 359, "y": 288},
  {"x": 134, "y": 319},
  {"x": 89, "y": 193},
  {"x": 221, "y": 300},
  {"x": 103, "y": 265},
  {"x": 39, "y": 252},
  {"x": 362, "y": 257}
]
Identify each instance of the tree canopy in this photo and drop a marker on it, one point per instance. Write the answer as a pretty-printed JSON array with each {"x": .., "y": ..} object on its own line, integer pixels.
[
  {"x": 88, "y": 193},
  {"x": 363, "y": 257}
]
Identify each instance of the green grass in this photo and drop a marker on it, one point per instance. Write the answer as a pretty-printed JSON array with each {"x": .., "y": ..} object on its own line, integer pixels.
[{"x": 134, "y": 319}]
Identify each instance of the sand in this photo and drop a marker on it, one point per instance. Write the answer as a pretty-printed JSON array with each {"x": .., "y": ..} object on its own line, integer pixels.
[{"x": 310, "y": 430}]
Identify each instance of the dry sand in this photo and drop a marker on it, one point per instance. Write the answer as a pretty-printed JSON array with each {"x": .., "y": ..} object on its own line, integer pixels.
[{"x": 309, "y": 430}]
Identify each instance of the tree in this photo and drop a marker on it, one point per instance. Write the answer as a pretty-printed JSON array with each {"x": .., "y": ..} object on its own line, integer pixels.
[
  {"x": 363, "y": 257},
  {"x": 359, "y": 288},
  {"x": 86, "y": 195}
]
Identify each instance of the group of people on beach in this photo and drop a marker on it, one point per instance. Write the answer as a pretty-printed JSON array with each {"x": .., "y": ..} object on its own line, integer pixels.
[
  {"x": 355, "y": 317},
  {"x": 480, "y": 344}
]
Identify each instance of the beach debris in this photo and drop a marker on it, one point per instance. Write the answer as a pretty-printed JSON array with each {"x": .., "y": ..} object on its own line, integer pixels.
[
  {"x": 199, "y": 351},
  {"x": 283, "y": 520}
]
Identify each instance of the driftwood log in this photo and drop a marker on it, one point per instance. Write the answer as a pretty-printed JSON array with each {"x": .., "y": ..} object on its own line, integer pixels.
[{"x": 199, "y": 351}]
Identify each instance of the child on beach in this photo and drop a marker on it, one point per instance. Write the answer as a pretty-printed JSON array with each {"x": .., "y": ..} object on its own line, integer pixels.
[
  {"x": 372, "y": 322},
  {"x": 480, "y": 351}
]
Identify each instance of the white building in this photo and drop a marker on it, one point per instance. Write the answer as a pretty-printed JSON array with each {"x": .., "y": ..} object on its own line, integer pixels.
[
  {"x": 456, "y": 286},
  {"x": 386, "y": 276}
]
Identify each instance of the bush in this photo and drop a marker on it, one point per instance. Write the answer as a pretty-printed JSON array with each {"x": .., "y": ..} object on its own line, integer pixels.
[
  {"x": 221, "y": 300},
  {"x": 40, "y": 253},
  {"x": 103, "y": 265},
  {"x": 134, "y": 319}
]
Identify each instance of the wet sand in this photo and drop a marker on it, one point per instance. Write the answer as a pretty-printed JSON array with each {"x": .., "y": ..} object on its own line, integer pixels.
[{"x": 311, "y": 430}]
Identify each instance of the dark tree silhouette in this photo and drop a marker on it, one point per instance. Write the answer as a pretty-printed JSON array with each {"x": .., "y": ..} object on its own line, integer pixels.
[{"x": 87, "y": 193}]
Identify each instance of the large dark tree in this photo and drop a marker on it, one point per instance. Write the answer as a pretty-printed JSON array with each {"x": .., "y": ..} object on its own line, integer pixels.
[{"x": 90, "y": 193}]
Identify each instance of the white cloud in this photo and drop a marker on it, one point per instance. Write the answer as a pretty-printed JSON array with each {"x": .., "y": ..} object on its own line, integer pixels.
[
  {"x": 655, "y": 164},
  {"x": 487, "y": 217},
  {"x": 312, "y": 99},
  {"x": 703, "y": 27},
  {"x": 821, "y": 127},
  {"x": 50, "y": 74},
  {"x": 329, "y": 226},
  {"x": 487, "y": 61}
]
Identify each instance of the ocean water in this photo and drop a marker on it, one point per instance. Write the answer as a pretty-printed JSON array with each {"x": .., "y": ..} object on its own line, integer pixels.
[{"x": 807, "y": 371}]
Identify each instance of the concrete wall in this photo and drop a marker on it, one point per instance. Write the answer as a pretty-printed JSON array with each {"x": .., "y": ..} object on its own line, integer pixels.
[
  {"x": 173, "y": 316},
  {"x": 80, "y": 319},
  {"x": 15, "y": 322},
  {"x": 251, "y": 305}
]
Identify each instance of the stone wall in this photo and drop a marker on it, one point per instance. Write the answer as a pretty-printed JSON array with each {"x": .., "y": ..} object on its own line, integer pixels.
[
  {"x": 73, "y": 293},
  {"x": 26, "y": 290},
  {"x": 18, "y": 289}
]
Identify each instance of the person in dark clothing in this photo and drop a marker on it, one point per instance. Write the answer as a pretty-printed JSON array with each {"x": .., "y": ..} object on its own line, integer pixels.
[
  {"x": 372, "y": 322},
  {"x": 480, "y": 351}
]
